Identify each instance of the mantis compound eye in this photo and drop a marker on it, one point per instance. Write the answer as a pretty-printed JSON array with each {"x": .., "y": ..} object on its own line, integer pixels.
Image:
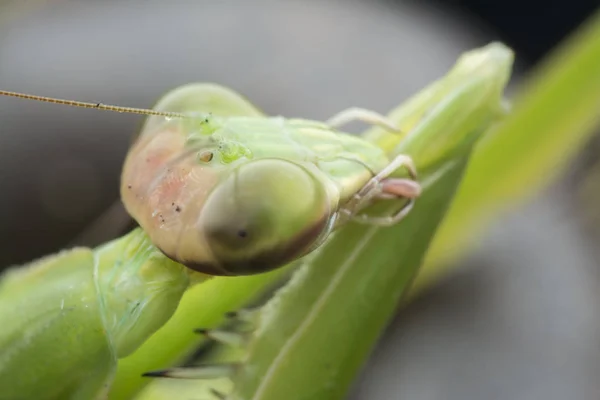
[{"x": 265, "y": 214}]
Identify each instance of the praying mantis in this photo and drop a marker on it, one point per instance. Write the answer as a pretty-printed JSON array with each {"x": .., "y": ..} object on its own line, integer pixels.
[{"x": 217, "y": 188}]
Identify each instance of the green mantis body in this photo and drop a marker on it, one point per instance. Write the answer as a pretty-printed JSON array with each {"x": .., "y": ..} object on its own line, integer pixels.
[
  {"x": 67, "y": 318},
  {"x": 227, "y": 193}
]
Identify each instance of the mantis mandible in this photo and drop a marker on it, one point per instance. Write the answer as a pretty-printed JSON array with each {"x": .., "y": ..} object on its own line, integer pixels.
[{"x": 217, "y": 188}]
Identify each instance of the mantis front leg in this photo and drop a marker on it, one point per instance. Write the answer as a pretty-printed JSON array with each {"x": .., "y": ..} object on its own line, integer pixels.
[
  {"x": 363, "y": 115},
  {"x": 382, "y": 185}
]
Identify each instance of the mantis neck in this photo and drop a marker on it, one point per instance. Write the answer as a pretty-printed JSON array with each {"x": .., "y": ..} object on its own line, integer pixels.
[{"x": 139, "y": 289}]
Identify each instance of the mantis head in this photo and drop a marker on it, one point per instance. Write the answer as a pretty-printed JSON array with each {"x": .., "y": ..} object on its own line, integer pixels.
[{"x": 259, "y": 216}]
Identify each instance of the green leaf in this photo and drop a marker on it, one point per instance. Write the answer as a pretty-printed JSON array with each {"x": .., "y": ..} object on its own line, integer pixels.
[{"x": 554, "y": 115}]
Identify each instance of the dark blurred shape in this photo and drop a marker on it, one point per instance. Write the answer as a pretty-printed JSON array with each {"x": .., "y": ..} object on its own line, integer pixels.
[{"x": 532, "y": 28}]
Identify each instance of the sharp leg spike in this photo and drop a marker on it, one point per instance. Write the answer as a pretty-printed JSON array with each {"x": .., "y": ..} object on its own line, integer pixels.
[
  {"x": 217, "y": 394},
  {"x": 207, "y": 371},
  {"x": 243, "y": 315},
  {"x": 222, "y": 336}
]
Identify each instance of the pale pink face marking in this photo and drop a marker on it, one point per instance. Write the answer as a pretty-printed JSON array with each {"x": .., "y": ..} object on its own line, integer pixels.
[{"x": 163, "y": 189}]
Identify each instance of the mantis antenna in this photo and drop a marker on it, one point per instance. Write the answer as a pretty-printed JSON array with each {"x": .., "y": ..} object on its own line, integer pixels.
[{"x": 107, "y": 107}]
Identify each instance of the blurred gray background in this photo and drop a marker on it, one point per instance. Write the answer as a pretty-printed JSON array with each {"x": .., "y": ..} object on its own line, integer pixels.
[{"x": 517, "y": 320}]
